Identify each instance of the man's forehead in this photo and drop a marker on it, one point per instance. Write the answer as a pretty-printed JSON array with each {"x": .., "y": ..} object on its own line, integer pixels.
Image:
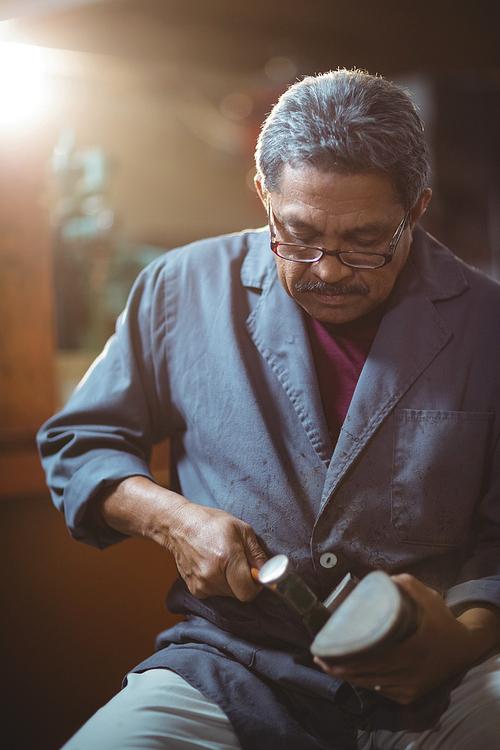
[
  {"x": 288, "y": 217},
  {"x": 305, "y": 190}
]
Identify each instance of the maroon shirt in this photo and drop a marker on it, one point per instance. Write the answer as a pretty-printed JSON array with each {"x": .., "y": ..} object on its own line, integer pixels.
[{"x": 339, "y": 353}]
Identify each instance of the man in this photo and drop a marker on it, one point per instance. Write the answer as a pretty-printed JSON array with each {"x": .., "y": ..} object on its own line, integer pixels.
[{"x": 338, "y": 402}]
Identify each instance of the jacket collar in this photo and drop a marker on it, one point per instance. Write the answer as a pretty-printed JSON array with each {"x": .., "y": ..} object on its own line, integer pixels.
[
  {"x": 439, "y": 270},
  {"x": 259, "y": 261},
  {"x": 400, "y": 353}
]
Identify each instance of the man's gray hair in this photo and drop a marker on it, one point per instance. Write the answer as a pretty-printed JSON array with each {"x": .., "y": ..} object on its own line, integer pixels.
[{"x": 349, "y": 122}]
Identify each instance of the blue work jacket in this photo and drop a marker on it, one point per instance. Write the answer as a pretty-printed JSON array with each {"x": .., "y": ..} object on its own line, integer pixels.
[{"x": 213, "y": 354}]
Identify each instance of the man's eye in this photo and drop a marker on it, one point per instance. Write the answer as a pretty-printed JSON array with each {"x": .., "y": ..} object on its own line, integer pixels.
[
  {"x": 364, "y": 243},
  {"x": 301, "y": 241}
]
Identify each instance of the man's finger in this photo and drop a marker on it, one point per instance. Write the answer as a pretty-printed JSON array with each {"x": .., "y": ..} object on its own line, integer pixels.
[
  {"x": 241, "y": 580},
  {"x": 256, "y": 556},
  {"x": 412, "y": 586}
]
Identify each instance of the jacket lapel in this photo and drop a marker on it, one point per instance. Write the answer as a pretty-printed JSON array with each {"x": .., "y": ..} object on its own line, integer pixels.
[
  {"x": 409, "y": 338},
  {"x": 278, "y": 330}
]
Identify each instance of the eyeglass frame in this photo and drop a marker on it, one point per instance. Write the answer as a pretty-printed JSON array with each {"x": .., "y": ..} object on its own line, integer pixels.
[{"x": 323, "y": 251}]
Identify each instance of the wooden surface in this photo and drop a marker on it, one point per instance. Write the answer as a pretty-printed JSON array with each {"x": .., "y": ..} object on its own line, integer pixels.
[
  {"x": 27, "y": 383},
  {"x": 27, "y": 394}
]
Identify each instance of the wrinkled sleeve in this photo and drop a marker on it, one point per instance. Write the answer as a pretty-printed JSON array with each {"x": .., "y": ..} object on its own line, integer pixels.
[{"x": 119, "y": 411}]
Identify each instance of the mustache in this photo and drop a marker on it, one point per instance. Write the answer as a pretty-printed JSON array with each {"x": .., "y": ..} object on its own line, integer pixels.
[{"x": 332, "y": 289}]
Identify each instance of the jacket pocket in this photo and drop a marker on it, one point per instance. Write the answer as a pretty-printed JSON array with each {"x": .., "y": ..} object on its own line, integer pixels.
[{"x": 438, "y": 459}]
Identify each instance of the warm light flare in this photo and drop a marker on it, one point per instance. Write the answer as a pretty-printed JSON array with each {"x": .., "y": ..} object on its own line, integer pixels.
[{"x": 24, "y": 94}]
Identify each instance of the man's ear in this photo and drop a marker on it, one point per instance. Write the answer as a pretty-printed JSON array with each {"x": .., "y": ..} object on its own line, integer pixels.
[
  {"x": 260, "y": 189},
  {"x": 420, "y": 207}
]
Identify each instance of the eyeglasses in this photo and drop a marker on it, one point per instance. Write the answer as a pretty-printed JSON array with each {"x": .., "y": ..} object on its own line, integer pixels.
[{"x": 351, "y": 254}]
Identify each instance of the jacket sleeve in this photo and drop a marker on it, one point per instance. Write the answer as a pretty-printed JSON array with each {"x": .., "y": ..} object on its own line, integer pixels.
[{"x": 119, "y": 410}]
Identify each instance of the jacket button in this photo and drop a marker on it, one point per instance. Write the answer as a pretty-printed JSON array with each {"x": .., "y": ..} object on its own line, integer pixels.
[{"x": 328, "y": 560}]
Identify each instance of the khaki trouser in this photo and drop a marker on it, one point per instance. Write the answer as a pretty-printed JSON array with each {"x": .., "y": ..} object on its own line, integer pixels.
[{"x": 158, "y": 710}]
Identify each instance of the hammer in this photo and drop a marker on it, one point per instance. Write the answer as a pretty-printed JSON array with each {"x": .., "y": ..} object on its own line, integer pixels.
[{"x": 276, "y": 574}]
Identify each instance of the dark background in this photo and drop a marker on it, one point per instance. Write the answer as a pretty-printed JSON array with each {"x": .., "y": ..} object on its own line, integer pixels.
[{"x": 173, "y": 93}]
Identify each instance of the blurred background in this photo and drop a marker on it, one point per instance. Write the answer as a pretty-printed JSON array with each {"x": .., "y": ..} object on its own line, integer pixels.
[{"x": 127, "y": 128}]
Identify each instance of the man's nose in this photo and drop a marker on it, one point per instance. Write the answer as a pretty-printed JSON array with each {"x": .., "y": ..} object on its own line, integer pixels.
[{"x": 330, "y": 270}]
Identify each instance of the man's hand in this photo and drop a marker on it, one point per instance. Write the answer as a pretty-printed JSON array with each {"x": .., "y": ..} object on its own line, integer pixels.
[
  {"x": 442, "y": 646},
  {"x": 213, "y": 550}
]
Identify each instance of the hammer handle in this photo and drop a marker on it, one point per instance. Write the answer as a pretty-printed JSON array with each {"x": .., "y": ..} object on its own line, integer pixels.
[{"x": 255, "y": 576}]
